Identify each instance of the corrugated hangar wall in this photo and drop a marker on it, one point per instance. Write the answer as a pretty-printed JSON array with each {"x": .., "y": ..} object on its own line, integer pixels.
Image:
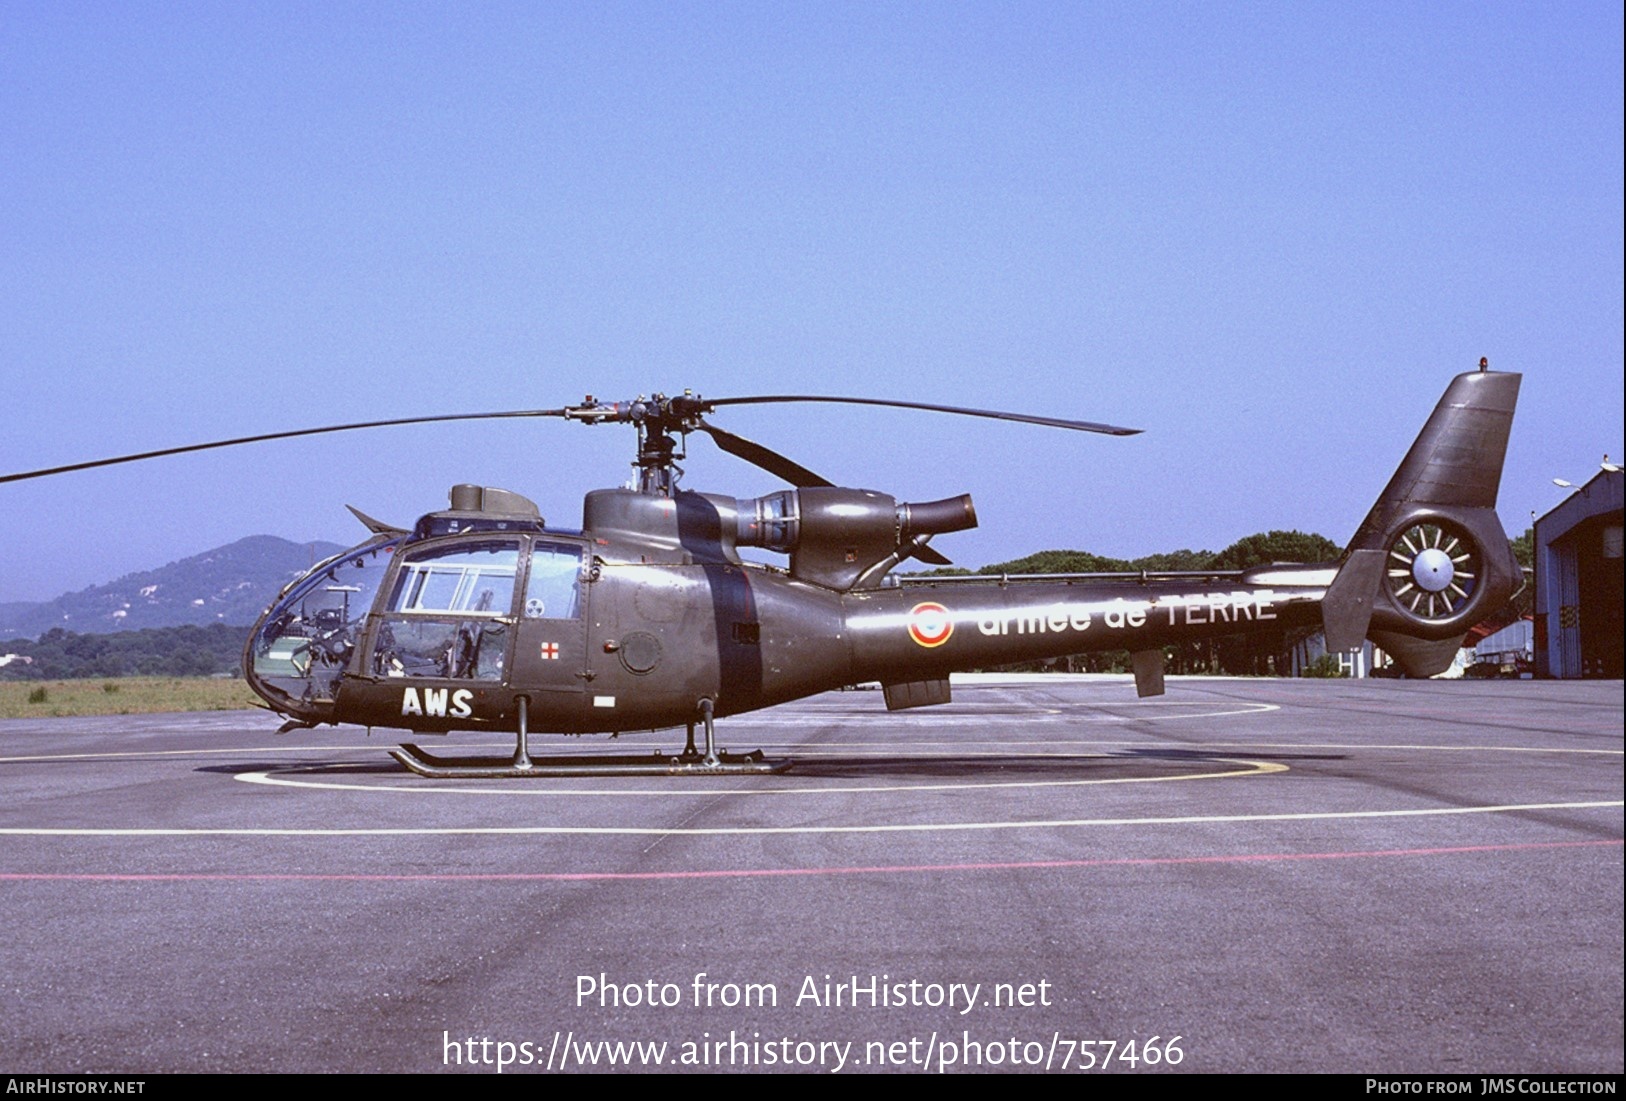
[{"x": 1581, "y": 583}]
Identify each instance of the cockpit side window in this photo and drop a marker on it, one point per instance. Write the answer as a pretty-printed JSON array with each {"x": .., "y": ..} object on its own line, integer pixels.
[
  {"x": 466, "y": 579},
  {"x": 553, "y": 590},
  {"x": 445, "y": 613}
]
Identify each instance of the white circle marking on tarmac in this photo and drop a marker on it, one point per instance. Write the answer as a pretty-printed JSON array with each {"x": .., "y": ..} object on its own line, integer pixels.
[{"x": 1247, "y": 768}]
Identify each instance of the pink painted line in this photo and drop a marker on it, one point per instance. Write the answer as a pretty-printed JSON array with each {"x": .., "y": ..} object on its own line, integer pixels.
[{"x": 747, "y": 873}]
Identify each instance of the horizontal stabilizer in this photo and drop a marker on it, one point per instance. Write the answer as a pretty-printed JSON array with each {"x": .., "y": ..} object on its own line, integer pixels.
[{"x": 1347, "y": 608}]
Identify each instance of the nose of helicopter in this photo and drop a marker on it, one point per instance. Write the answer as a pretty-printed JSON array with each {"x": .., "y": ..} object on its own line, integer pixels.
[{"x": 298, "y": 650}]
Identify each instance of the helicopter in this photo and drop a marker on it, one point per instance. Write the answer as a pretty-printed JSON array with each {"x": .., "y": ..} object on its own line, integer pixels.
[{"x": 483, "y": 617}]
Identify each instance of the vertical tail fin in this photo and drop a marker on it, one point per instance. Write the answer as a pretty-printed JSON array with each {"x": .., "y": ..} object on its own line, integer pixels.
[
  {"x": 1456, "y": 461},
  {"x": 1431, "y": 559}
]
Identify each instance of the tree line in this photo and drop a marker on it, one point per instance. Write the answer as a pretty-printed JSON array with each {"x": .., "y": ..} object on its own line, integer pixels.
[{"x": 60, "y": 654}]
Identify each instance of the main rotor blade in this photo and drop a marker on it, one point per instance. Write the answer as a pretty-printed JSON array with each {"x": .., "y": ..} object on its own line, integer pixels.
[
  {"x": 771, "y": 461},
  {"x": 1052, "y": 422},
  {"x": 275, "y": 436}
]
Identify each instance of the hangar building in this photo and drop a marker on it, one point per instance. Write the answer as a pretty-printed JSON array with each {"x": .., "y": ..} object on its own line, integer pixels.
[{"x": 1579, "y": 583}]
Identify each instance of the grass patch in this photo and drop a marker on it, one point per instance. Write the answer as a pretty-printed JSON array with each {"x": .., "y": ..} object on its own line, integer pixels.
[{"x": 125, "y": 696}]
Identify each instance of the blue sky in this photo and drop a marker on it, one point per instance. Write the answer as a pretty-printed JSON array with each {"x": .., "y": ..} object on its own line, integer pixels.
[{"x": 1266, "y": 233}]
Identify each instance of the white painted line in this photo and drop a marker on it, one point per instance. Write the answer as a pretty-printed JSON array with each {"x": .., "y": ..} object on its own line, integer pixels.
[{"x": 642, "y": 831}]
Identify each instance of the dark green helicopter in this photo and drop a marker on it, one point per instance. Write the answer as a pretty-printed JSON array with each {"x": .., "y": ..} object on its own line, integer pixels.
[{"x": 483, "y": 617}]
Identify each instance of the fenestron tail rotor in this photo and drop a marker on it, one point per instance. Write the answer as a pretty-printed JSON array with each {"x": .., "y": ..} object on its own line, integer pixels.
[{"x": 1433, "y": 570}]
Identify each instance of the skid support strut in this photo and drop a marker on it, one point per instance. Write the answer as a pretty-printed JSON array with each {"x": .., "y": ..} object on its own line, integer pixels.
[
  {"x": 690, "y": 755},
  {"x": 522, "y": 750},
  {"x": 691, "y": 762}
]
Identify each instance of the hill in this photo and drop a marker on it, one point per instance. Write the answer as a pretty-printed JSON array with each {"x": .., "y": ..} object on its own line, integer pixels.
[{"x": 229, "y": 585}]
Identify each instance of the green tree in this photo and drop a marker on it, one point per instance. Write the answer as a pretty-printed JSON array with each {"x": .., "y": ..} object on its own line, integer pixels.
[
  {"x": 1276, "y": 546},
  {"x": 1058, "y": 561},
  {"x": 1176, "y": 560},
  {"x": 1524, "y": 548},
  {"x": 1524, "y": 603},
  {"x": 1263, "y": 652}
]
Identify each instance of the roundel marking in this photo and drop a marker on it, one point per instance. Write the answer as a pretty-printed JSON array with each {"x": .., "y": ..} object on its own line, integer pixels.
[{"x": 930, "y": 624}]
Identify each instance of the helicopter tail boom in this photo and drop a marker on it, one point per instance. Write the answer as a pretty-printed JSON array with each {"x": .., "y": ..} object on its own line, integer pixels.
[{"x": 1430, "y": 561}]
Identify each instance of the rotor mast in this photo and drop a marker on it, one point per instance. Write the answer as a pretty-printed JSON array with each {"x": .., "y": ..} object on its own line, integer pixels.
[
  {"x": 656, "y": 418},
  {"x": 658, "y": 473}
]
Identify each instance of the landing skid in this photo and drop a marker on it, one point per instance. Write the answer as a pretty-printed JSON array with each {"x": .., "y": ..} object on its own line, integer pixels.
[
  {"x": 652, "y": 764},
  {"x": 691, "y": 762}
]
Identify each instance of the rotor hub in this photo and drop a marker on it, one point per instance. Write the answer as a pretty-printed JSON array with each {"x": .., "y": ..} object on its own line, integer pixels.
[{"x": 1433, "y": 570}]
